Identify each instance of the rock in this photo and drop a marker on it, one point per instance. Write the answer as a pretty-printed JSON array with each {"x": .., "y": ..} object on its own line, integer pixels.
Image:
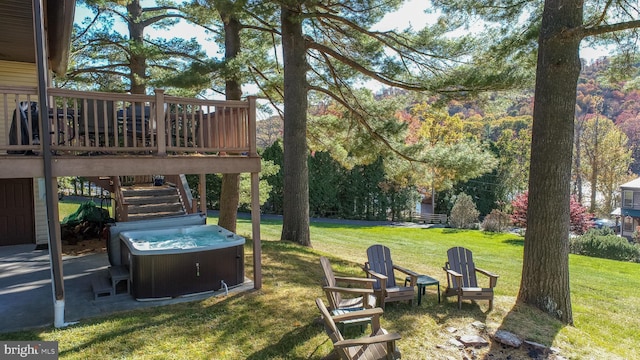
[
  {"x": 456, "y": 343},
  {"x": 479, "y": 325},
  {"x": 451, "y": 329},
  {"x": 471, "y": 354},
  {"x": 473, "y": 340},
  {"x": 534, "y": 345},
  {"x": 537, "y": 348},
  {"x": 507, "y": 338}
]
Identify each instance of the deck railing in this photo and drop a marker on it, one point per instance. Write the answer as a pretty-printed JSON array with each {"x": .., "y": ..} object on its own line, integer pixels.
[{"x": 84, "y": 123}]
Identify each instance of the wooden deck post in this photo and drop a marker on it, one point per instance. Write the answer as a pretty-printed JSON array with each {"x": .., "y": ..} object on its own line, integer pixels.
[
  {"x": 255, "y": 230},
  {"x": 202, "y": 189},
  {"x": 161, "y": 137},
  {"x": 253, "y": 147}
]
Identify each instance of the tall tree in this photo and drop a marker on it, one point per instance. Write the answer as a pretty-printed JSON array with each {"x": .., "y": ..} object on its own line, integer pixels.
[
  {"x": 513, "y": 150},
  {"x": 106, "y": 59},
  {"x": 229, "y": 13},
  {"x": 545, "y": 275},
  {"x": 606, "y": 159},
  {"x": 328, "y": 49},
  {"x": 230, "y": 20},
  {"x": 559, "y": 27},
  {"x": 230, "y": 192},
  {"x": 295, "y": 216}
]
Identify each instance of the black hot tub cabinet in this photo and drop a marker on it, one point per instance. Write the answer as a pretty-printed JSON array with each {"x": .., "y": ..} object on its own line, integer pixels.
[{"x": 157, "y": 272}]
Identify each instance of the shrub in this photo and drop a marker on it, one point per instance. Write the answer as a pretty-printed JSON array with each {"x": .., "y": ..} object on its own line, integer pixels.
[
  {"x": 603, "y": 243},
  {"x": 496, "y": 221},
  {"x": 580, "y": 219},
  {"x": 464, "y": 214}
]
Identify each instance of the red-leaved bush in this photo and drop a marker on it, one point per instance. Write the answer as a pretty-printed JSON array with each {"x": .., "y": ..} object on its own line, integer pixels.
[{"x": 579, "y": 216}]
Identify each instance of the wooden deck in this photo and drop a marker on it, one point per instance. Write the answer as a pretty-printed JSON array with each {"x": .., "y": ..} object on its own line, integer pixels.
[{"x": 105, "y": 134}]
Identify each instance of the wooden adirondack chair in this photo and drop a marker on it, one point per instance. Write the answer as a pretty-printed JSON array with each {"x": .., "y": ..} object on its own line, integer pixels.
[
  {"x": 461, "y": 277},
  {"x": 364, "y": 288},
  {"x": 380, "y": 267},
  {"x": 378, "y": 345}
]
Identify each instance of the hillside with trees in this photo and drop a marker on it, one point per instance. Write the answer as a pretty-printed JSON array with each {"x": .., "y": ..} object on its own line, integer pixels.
[{"x": 501, "y": 122}]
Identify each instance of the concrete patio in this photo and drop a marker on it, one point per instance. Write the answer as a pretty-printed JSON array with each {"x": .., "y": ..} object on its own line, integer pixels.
[{"x": 26, "y": 296}]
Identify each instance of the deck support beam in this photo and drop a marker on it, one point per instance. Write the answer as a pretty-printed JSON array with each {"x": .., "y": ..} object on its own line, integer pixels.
[{"x": 255, "y": 229}]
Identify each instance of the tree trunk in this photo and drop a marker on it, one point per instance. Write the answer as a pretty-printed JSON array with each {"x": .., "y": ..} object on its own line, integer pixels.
[
  {"x": 295, "y": 219},
  {"x": 578, "y": 168},
  {"x": 230, "y": 190},
  {"x": 138, "y": 59},
  {"x": 594, "y": 168},
  {"x": 545, "y": 270}
]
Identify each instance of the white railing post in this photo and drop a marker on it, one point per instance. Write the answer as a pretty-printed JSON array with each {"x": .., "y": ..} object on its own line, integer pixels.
[{"x": 161, "y": 138}]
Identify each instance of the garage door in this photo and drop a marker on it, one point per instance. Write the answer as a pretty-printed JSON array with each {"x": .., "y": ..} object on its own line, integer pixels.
[{"x": 16, "y": 212}]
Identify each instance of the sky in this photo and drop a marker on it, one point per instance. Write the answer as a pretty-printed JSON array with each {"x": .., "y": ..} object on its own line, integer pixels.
[{"x": 411, "y": 14}]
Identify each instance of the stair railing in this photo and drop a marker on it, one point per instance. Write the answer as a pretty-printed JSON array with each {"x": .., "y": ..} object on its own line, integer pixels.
[
  {"x": 122, "y": 208},
  {"x": 182, "y": 186}
]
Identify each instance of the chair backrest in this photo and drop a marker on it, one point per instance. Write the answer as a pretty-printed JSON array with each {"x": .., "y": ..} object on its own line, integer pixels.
[
  {"x": 20, "y": 124},
  {"x": 333, "y": 297},
  {"x": 329, "y": 325},
  {"x": 98, "y": 113},
  {"x": 379, "y": 260},
  {"x": 461, "y": 261}
]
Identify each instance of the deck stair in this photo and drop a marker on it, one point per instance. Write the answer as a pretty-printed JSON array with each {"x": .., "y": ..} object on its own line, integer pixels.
[{"x": 146, "y": 201}]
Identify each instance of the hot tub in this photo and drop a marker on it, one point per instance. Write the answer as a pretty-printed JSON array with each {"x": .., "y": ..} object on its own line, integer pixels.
[{"x": 180, "y": 261}]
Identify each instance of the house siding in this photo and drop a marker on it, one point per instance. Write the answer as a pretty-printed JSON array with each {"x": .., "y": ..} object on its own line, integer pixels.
[
  {"x": 630, "y": 208},
  {"x": 23, "y": 74},
  {"x": 41, "y": 227},
  {"x": 14, "y": 74}
]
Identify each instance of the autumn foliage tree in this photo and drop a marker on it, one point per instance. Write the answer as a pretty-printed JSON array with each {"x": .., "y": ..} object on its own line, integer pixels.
[{"x": 580, "y": 218}]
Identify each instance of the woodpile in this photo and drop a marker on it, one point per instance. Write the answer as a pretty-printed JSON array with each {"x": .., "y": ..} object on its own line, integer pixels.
[{"x": 73, "y": 234}]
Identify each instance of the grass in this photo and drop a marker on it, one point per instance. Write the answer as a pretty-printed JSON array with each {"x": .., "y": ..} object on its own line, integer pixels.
[
  {"x": 68, "y": 206},
  {"x": 278, "y": 321}
]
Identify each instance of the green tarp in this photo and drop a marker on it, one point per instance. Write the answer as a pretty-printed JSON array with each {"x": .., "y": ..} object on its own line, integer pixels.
[{"x": 87, "y": 211}]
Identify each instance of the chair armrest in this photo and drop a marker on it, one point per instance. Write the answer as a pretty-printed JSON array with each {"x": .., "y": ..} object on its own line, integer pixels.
[
  {"x": 360, "y": 291},
  {"x": 376, "y": 275},
  {"x": 367, "y": 282},
  {"x": 386, "y": 338},
  {"x": 381, "y": 278},
  {"x": 405, "y": 270},
  {"x": 359, "y": 314},
  {"x": 412, "y": 274},
  {"x": 493, "y": 278},
  {"x": 453, "y": 273}
]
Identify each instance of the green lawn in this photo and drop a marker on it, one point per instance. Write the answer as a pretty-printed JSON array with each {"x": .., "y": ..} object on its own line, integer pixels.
[
  {"x": 67, "y": 206},
  {"x": 277, "y": 322}
]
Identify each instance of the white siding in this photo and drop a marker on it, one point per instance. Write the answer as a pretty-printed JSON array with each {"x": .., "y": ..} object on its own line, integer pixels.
[
  {"x": 14, "y": 74},
  {"x": 40, "y": 214},
  {"x": 23, "y": 74}
]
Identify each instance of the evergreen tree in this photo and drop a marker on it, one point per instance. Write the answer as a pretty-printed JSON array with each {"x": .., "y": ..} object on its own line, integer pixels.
[
  {"x": 274, "y": 153},
  {"x": 553, "y": 31},
  {"x": 464, "y": 214},
  {"x": 107, "y": 60}
]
